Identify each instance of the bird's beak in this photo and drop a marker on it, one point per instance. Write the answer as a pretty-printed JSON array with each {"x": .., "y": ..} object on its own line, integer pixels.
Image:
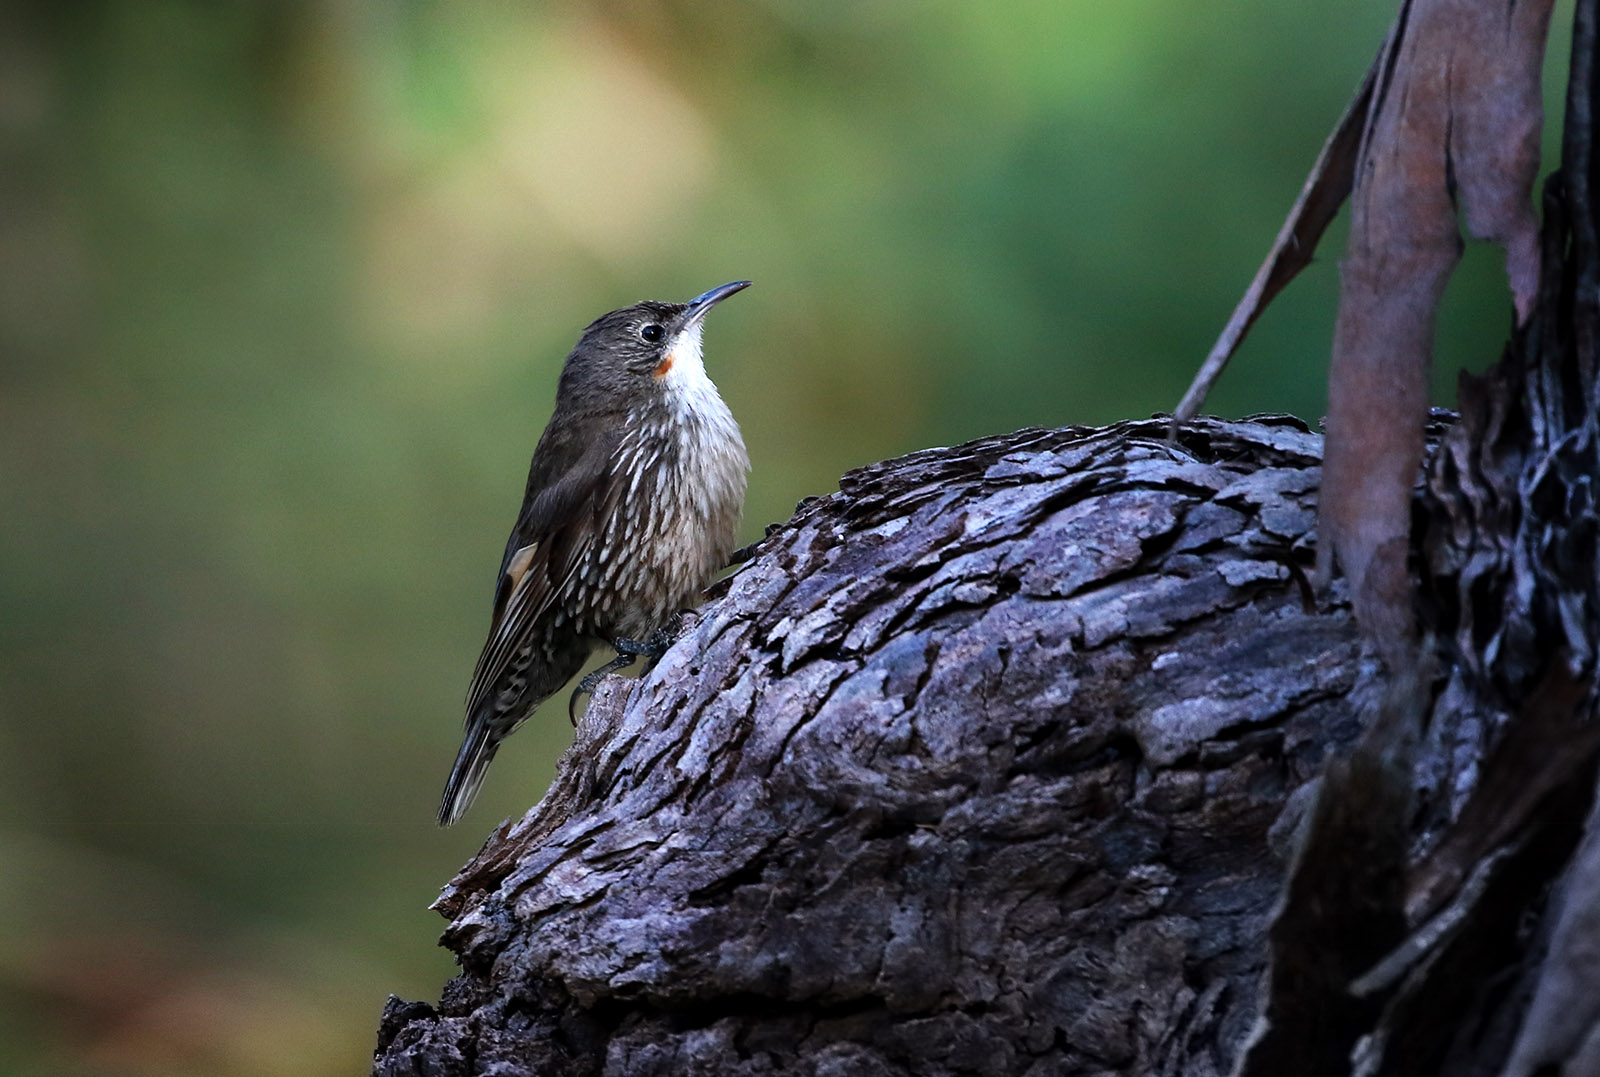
[{"x": 701, "y": 305}]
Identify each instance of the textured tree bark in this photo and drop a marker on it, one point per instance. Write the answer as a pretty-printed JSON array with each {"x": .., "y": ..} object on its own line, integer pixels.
[{"x": 974, "y": 769}]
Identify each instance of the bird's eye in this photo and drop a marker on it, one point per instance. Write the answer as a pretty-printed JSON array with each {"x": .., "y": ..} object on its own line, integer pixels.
[{"x": 652, "y": 333}]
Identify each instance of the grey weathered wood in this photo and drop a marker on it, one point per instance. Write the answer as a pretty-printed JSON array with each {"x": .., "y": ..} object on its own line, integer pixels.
[{"x": 980, "y": 766}]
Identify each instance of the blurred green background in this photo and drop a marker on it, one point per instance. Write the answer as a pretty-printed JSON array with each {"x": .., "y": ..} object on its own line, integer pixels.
[{"x": 284, "y": 289}]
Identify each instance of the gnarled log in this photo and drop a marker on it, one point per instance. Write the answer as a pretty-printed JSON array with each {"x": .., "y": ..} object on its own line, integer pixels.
[{"x": 975, "y": 768}]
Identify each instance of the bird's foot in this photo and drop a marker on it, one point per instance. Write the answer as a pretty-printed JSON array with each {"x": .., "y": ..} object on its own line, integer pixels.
[
  {"x": 653, "y": 647},
  {"x": 628, "y": 651},
  {"x": 745, "y": 553},
  {"x": 592, "y": 681}
]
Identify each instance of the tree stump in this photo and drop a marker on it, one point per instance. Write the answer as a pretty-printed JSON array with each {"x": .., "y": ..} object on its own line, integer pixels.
[{"x": 988, "y": 763}]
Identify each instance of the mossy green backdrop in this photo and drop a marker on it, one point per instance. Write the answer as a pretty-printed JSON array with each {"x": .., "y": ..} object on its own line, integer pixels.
[{"x": 284, "y": 290}]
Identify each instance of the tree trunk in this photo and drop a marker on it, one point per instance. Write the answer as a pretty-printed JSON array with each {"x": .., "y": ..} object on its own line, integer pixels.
[{"x": 980, "y": 766}]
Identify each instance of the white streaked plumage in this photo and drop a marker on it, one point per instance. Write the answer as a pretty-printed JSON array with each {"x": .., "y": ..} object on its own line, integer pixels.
[
  {"x": 617, "y": 532},
  {"x": 686, "y": 466}
]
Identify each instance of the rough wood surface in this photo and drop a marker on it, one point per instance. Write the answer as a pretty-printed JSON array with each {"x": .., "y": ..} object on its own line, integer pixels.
[{"x": 980, "y": 766}]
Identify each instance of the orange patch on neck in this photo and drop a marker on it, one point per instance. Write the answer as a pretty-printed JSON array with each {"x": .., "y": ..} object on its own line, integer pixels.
[{"x": 662, "y": 367}]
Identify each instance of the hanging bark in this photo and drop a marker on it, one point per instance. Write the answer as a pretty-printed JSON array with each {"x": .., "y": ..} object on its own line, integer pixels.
[{"x": 1476, "y": 777}]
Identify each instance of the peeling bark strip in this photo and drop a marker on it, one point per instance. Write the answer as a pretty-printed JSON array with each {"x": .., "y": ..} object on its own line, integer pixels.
[
  {"x": 974, "y": 769},
  {"x": 1457, "y": 113}
]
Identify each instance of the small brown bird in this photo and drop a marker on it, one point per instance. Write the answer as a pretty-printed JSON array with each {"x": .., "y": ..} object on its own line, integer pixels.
[{"x": 633, "y": 500}]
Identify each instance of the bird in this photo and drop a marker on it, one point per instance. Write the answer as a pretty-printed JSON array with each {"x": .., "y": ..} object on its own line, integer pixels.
[{"x": 631, "y": 508}]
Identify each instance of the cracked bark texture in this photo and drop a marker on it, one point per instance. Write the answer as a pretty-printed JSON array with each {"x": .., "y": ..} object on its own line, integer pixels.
[{"x": 988, "y": 763}]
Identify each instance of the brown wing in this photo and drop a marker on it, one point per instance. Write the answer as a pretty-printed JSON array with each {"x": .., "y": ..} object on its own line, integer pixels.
[{"x": 548, "y": 545}]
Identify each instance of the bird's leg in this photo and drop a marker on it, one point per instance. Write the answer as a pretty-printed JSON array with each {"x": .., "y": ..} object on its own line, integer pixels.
[
  {"x": 628, "y": 651},
  {"x": 745, "y": 553}
]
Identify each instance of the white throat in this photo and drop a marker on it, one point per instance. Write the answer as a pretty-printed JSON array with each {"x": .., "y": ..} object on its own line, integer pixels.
[
  {"x": 689, "y": 391},
  {"x": 686, "y": 364}
]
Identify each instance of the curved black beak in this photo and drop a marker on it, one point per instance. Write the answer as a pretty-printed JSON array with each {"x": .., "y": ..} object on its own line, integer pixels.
[{"x": 701, "y": 305}]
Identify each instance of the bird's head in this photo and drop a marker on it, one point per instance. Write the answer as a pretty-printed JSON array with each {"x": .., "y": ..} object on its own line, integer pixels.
[{"x": 645, "y": 351}]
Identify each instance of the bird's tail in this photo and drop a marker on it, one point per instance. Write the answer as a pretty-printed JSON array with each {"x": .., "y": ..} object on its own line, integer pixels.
[{"x": 477, "y": 750}]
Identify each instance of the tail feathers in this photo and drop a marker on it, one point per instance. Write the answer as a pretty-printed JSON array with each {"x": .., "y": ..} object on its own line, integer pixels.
[{"x": 477, "y": 750}]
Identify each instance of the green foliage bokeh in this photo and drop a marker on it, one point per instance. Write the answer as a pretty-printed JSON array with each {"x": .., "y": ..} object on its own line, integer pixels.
[{"x": 284, "y": 289}]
